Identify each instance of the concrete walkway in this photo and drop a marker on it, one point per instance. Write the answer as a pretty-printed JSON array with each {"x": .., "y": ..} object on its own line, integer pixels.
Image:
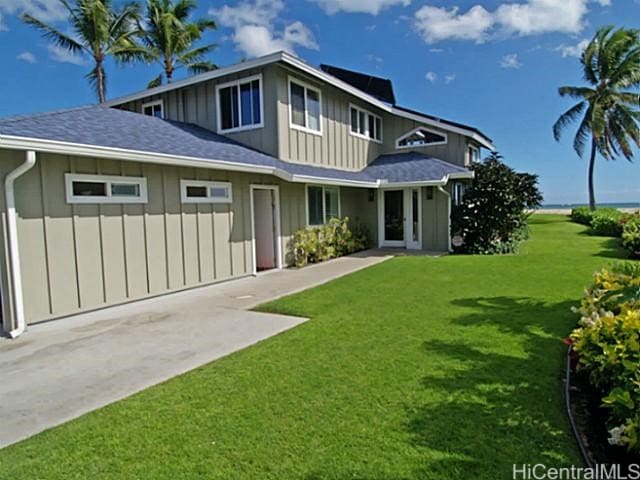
[{"x": 62, "y": 369}]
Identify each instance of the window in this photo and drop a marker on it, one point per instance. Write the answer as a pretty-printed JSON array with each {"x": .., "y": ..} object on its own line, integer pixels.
[
  {"x": 421, "y": 137},
  {"x": 82, "y": 188},
  {"x": 458, "y": 192},
  {"x": 198, "y": 191},
  {"x": 365, "y": 124},
  {"x": 323, "y": 204},
  {"x": 473, "y": 155},
  {"x": 305, "y": 107},
  {"x": 240, "y": 104},
  {"x": 153, "y": 109}
]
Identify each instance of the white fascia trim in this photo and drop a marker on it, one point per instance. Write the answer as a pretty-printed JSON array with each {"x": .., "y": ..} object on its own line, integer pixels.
[
  {"x": 82, "y": 150},
  {"x": 203, "y": 77},
  {"x": 332, "y": 181}
]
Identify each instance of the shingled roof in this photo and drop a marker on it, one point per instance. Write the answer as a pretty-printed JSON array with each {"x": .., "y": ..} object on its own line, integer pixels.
[{"x": 103, "y": 127}]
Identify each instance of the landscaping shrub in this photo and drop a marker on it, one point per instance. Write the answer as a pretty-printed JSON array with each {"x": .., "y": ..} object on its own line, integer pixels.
[
  {"x": 581, "y": 215},
  {"x": 492, "y": 218},
  {"x": 631, "y": 234},
  {"x": 606, "y": 223},
  {"x": 332, "y": 240},
  {"x": 608, "y": 344}
]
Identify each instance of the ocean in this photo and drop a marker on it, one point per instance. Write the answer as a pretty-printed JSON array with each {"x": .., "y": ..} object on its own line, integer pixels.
[{"x": 568, "y": 206}]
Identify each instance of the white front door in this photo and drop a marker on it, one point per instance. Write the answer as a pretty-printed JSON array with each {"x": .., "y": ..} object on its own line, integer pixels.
[{"x": 400, "y": 218}]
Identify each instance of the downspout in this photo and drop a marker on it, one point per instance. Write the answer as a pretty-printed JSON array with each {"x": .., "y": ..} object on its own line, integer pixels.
[
  {"x": 14, "y": 250},
  {"x": 448, "y": 195}
]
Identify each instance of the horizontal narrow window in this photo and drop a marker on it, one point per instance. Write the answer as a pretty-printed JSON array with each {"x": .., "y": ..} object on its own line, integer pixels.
[
  {"x": 421, "y": 137},
  {"x": 365, "y": 124},
  {"x": 198, "y": 191},
  {"x": 81, "y": 188},
  {"x": 323, "y": 204},
  {"x": 240, "y": 104},
  {"x": 153, "y": 109}
]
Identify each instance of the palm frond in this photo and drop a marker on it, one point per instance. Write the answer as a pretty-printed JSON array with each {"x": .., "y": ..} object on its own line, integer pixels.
[
  {"x": 56, "y": 36},
  {"x": 566, "y": 118},
  {"x": 156, "y": 82}
]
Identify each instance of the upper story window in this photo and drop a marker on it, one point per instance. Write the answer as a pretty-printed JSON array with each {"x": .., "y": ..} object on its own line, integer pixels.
[
  {"x": 365, "y": 124},
  {"x": 473, "y": 154},
  {"x": 323, "y": 204},
  {"x": 154, "y": 109},
  {"x": 240, "y": 104},
  {"x": 421, "y": 137},
  {"x": 81, "y": 188},
  {"x": 305, "y": 107},
  {"x": 198, "y": 191}
]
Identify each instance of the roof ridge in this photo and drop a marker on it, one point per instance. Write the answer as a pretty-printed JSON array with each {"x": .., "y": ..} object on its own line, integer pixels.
[{"x": 29, "y": 116}]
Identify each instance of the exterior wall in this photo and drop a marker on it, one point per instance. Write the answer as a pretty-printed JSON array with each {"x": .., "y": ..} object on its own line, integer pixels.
[
  {"x": 197, "y": 104},
  {"x": 81, "y": 257},
  {"x": 435, "y": 222},
  {"x": 356, "y": 205},
  {"x": 336, "y": 147}
]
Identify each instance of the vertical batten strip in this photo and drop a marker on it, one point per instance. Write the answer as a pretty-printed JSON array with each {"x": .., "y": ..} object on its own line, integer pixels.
[{"x": 45, "y": 221}]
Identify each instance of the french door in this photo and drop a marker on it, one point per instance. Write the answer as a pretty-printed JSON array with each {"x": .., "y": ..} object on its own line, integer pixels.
[{"x": 400, "y": 218}]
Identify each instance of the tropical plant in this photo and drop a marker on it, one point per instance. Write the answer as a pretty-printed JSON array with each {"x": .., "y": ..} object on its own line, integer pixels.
[
  {"x": 492, "y": 216},
  {"x": 609, "y": 105},
  {"x": 98, "y": 30},
  {"x": 168, "y": 37},
  {"x": 631, "y": 235}
]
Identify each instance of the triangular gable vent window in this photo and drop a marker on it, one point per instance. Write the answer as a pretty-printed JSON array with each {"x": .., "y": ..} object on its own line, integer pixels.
[{"x": 421, "y": 137}]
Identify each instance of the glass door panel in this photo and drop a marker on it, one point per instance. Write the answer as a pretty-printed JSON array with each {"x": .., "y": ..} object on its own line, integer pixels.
[{"x": 394, "y": 215}]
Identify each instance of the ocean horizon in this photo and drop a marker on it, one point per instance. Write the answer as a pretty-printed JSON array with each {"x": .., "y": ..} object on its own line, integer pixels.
[{"x": 557, "y": 206}]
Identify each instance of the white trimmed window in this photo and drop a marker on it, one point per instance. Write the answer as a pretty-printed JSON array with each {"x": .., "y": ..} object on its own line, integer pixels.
[
  {"x": 365, "y": 124},
  {"x": 421, "y": 137},
  {"x": 305, "y": 107},
  {"x": 323, "y": 204},
  {"x": 198, "y": 191},
  {"x": 473, "y": 154},
  {"x": 458, "y": 192},
  {"x": 240, "y": 104},
  {"x": 154, "y": 109},
  {"x": 81, "y": 188}
]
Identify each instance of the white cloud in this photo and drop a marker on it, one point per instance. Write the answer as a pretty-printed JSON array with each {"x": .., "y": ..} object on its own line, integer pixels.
[
  {"x": 511, "y": 61},
  {"x": 3, "y": 27},
  {"x": 572, "y": 50},
  {"x": 27, "y": 57},
  {"x": 64, "y": 56},
  {"x": 435, "y": 24},
  {"x": 530, "y": 17},
  {"x": 436, "y": 50},
  {"x": 431, "y": 76},
  {"x": 45, "y": 10},
  {"x": 373, "y": 7},
  {"x": 449, "y": 78},
  {"x": 254, "y": 30}
]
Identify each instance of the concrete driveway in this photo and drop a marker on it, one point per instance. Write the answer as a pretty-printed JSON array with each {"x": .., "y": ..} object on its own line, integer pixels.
[{"x": 64, "y": 368}]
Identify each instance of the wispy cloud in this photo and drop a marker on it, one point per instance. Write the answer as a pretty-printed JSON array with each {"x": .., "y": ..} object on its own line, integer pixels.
[
  {"x": 254, "y": 28},
  {"x": 27, "y": 57},
  {"x": 431, "y": 76},
  {"x": 572, "y": 50},
  {"x": 531, "y": 17},
  {"x": 449, "y": 78},
  {"x": 510, "y": 61},
  {"x": 373, "y": 7},
  {"x": 45, "y": 10},
  {"x": 64, "y": 56}
]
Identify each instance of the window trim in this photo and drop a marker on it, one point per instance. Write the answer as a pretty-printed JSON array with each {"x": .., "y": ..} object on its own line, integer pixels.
[
  {"x": 238, "y": 82},
  {"x": 365, "y": 136},
  {"x": 470, "y": 159},
  {"x": 184, "y": 184},
  {"x": 70, "y": 178},
  {"x": 306, "y": 87},
  {"x": 434, "y": 144},
  {"x": 153, "y": 104},
  {"x": 324, "y": 203}
]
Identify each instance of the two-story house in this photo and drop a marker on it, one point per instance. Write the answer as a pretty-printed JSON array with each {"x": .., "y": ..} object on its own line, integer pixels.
[{"x": 206, "y": 179}]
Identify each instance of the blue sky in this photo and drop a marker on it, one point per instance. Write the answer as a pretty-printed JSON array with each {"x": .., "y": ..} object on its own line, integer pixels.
[{"x": 492, "y": 64}]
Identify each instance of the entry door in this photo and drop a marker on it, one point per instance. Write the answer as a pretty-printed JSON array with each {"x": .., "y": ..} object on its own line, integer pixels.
[
  {"x": 401, "y": 218},
  {"x": 264, "y": 229}
]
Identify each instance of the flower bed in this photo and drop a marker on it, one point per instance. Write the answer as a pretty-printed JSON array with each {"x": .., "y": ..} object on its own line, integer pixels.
[{"x": 610, "y": 222}]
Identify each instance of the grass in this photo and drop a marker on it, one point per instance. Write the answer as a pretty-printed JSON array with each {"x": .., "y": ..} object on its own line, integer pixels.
[{"x": 417, "y": 368}]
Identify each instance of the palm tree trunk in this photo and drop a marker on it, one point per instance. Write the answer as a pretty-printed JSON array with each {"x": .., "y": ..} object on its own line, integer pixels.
[
  {"x": 100, "y": 81},
  {"x": 592, "y": 162}
]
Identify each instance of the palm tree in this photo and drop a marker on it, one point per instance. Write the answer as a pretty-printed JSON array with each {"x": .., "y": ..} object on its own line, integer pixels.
[
  {"x": 98, "y": 30},
  {"x": 611, "y": 67},
  {"x": 169, "y": 37}
]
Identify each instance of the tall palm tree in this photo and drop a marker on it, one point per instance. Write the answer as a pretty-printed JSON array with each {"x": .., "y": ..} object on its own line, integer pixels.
[
  {"x": 169, "y": 37},
  {"x": 611, "y": 67},
  {"x": 98, "y": 30}
]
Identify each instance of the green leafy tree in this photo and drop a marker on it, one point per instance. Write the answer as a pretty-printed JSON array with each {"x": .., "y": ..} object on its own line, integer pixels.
[
  {"x": 97, "y": 30},
  {"x": 492, "y": 215},
  {"x": 169, "y": 37},
  {"x": 608, "y": 107}
]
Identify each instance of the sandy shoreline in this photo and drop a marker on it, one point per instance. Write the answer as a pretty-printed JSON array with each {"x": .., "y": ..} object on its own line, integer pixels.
[{"x": 567, "y": 211}]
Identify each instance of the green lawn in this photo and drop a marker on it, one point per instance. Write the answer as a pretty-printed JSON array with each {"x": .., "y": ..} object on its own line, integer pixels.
[{"x": 417, "y": 368}]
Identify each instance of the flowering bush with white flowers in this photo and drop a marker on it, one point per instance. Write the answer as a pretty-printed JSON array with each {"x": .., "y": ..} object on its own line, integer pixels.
[{"x": 608, "y": 344}]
